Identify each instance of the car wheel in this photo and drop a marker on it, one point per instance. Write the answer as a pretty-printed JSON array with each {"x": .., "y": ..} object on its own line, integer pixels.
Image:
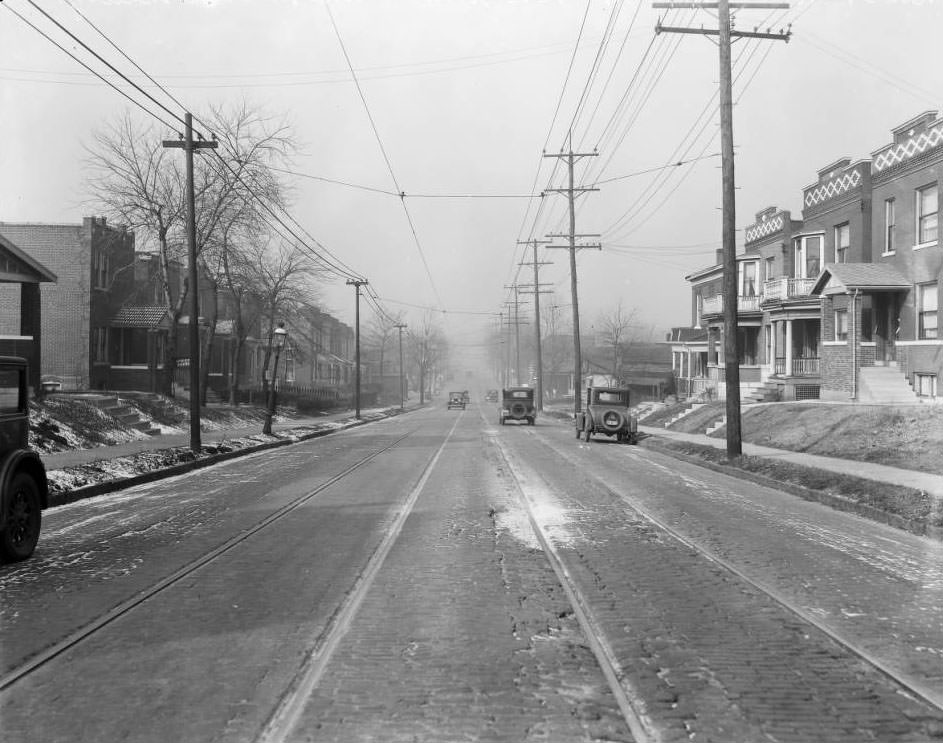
[{"x": 23, "y": 519}]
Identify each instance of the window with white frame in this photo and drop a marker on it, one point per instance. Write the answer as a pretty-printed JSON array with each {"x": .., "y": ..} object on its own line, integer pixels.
[
  {"x": 841, "y": 325},
  {"x": 842, "y": 242},
  {"x": 808, "y": 257},
  {"x": 927, "y": 305},
  {"x": 890, "y": 222},
  {"x": 925, "y": 384},
  {"x": 927, "y": 209},
  {"x": 748, "y": 279}
]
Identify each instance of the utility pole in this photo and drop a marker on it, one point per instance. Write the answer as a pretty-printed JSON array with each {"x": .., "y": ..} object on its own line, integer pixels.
[
  {"x": 402, "y": 380},
  {"x": 188, "y": 146},
  {"x": 725, "y": 35},
  {"x": 357, "y": 283},
  {"x": 571, "y": 158},
  {"x": 537, "y": 292},
  {"x": 517, "y": 332}
]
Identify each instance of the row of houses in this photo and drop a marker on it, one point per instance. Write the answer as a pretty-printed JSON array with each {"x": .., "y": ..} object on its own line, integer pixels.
[
  {"x": 842, "y": 303},
  {"x": 89, "y": 313}
]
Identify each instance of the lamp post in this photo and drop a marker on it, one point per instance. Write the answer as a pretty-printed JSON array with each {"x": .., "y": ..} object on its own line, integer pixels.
[{"x": 279, "y": 336}]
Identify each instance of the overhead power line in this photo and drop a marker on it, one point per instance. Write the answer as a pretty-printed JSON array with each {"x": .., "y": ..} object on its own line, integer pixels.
[{"x": 389, "y": 165}]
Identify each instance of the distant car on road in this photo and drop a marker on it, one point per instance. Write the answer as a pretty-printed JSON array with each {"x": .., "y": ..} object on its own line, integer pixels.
[
  {"x": 24, "y": 491},
  {"x": 456, "y": 400},
  {"x": 491, "y": 396},
  {"x": 517, "y": 403},
  {"x": 607, "y": 413}
]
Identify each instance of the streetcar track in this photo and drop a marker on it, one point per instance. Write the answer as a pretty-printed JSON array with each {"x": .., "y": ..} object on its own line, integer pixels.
[
  {"x": 629, "y": 700},
  {"x": 291, "y": 708},
  {"x": 928, "y": 695},
  {"x": 77, "y": 636}
]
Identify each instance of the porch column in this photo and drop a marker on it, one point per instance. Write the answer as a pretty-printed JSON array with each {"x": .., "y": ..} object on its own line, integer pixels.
[
  {"x": 690, "y": 373},
  {"x": 788, "y": 348},
  {"x": 772, "y": 347}
]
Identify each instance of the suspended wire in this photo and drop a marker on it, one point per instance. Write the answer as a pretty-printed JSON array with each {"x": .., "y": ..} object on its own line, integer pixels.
[
  {"x": 109, "y": 65},
  {"x": 389, "y": 165},
  {"x": 597, "y": 62},
  {"x": 89, "y": 68},
  {"x": 654, "y": 170},
  {"x": 702, "y": 120},
  {"x": 612, "y": 70},
  {"x": 123, "y": 54}
]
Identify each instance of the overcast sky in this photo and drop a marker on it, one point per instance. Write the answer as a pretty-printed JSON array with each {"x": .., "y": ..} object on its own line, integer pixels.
[{"x": 465, "y": 95}]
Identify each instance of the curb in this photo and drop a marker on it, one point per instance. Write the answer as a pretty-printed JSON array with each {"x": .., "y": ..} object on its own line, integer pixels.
[
  {"x": 103, "y": 488},
  {"x": 837, "y": 502}
]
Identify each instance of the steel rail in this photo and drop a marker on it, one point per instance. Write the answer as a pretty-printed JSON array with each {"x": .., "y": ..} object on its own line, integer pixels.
[
  {"x": 87, "y": 630},
  {"x": 629, "y": 700},
  {"x": 286, "y": 716},
  {"x": 933, "y": 697}
]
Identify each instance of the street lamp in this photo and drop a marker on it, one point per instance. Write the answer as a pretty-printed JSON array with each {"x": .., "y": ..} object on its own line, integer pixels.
[{"x": 279, "y": 337}]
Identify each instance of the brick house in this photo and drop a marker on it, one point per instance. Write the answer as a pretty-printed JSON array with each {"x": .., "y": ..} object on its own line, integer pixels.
[
  {"x": 21, "y": 308},
  {"x": 881, "y": 322},
  {"x": 849, "y": 304},
  {"x": 92, "y": 262}
]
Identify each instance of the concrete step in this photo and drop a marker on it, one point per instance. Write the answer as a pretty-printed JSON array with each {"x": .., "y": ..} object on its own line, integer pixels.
[
  {"x": 716, "y": 426},
  {"x": 683, "y": 413},
  {"x": 884, "y": 384}
]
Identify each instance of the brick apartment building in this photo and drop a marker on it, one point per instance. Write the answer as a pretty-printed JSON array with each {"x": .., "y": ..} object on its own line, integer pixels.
[
  {"x": 844, "y": 303},
  {"x": 90, "y": 262}
]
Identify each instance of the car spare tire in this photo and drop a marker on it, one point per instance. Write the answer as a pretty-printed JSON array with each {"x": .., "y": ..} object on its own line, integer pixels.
[{"x": 518, "y": 409}]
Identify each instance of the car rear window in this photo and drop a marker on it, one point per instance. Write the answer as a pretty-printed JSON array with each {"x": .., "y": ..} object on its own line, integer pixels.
[
  {"x": 521, "y": 394},
  {"x": 610, "y": 397},
  {"x": 9, "y": 390}
]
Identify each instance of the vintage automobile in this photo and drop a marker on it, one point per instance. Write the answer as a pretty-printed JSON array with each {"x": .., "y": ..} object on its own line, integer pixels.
[
  {"x": 456, "y": 400},
  {"x": 24, "y": 491},
  {"x": 607, "y": 412},
  {"x": 491, "y": 396},
  {"x": 517, "y": 403}
]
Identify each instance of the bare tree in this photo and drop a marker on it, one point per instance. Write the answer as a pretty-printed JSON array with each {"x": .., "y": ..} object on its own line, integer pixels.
[
  {"x": 285, "y": 282},
  {"x": 616, "y": 333},
  {"x": 141, "y": 184},
  {"x": 428, "y": 348}
]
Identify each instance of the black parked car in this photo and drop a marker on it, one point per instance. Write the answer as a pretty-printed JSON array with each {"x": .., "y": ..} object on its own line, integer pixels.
[
  {"x": 607, "y": 413},
  {"x": 24, "y": 491}
]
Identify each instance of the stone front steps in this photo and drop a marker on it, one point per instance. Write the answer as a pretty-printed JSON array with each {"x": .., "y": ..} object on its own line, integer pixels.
[
  {"x": 127, "y": 414},
  {"x": 885, "y": 384}
]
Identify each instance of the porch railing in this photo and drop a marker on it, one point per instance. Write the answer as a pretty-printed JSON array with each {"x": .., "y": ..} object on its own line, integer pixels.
[
  {"x": 692, "y": 386},
  {"x": 786, "y": 288},
  {"x": 801, "y": 367},
  {"x": 715, "y": 305}
]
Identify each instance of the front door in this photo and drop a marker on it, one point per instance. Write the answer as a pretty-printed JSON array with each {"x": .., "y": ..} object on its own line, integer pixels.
[{"x": 886, "y": 327}]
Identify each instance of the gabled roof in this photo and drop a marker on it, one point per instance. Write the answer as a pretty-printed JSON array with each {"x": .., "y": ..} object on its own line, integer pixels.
[
  {"x": 31, "y": 264},
  {"x": 141, "y": 317},
  {"x": 687, "y": 335},
  {"x": 841, "y": 278}
]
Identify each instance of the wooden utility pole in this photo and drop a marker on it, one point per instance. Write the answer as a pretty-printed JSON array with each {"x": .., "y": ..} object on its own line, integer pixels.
[
  {"x": 728, "y": 230},
  {"x": 402, "y": 379},
  {"x": 515, "y": 320},
  {"x": 537, "y": 291},
  {"x": 571, "y": 192},
  {"x": 357, "y": 283},
  {"x": 188, "y": 146}
]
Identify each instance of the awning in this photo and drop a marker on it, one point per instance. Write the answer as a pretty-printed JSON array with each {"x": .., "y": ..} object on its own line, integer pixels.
[{"x": 141, "y": 317}]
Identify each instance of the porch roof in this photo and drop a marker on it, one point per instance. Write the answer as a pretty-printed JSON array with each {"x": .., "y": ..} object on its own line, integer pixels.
[
  {"x": 20, "y": 267},
  {"x": 141, "y": 317},
  {"x": 842, "y": 278},
  {"x": 688, "y": 335}
]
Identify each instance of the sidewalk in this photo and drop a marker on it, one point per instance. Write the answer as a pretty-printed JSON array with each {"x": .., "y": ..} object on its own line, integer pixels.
[
  {"x": 932, "y": 484},
  {"x": 73, "y": 457}
]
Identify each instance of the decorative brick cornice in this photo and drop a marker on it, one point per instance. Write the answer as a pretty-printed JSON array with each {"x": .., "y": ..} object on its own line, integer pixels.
[
  {"x": 815, "y": 195},
  {"x": 765, "y": 228},
  {"x": 918, "y": 144}
]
